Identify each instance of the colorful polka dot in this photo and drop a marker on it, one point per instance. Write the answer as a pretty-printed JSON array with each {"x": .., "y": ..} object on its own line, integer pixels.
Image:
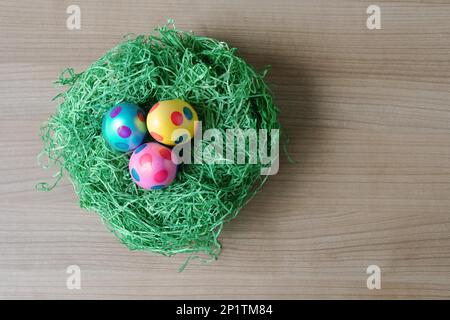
[
  {"x": 187, "y": 113},
  {"x": 135, "y": 174},
  {"x": 121, "y": 146},
  {"x": 146, "y": 161},
  {"x": 158, "y": 187},
  {"x": 177, "y": 118},
  {"x": 140, "y": 148},
  {"x": 115, "y": 111},
  {"x": 156, "y": 136},
  {"x": 141, "y": 116},
  {"x": 160, "y": 176},
  {"x": 124, "y": 131},
  {"x": 154, "y": 107},
  {"x": 165, "y": 153},
  {"x": 140, "y": 125},
  {"x": 181, "y": 139}
]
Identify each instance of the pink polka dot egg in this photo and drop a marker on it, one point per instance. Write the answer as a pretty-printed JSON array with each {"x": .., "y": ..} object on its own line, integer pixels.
[
  {"x": 172, "y": 122},
  {"x": 151, "y": 166}
]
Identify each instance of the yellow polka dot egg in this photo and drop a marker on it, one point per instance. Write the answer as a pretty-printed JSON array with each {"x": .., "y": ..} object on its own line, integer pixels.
[{"x": 172, "y": 122}]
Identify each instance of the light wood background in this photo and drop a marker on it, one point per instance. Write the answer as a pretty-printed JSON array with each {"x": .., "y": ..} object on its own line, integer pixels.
[{"x": 369, "y": 118}]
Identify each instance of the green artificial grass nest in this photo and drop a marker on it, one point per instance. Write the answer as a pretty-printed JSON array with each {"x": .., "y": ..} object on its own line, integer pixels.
[{"x": 187, "y": 216}]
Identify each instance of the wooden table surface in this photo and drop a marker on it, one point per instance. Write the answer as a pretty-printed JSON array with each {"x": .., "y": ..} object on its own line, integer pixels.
[{"x": 369, "y": 118}]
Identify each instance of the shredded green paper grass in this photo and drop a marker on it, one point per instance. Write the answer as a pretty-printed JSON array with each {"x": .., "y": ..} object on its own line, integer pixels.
[{"x": 187, "y": 216}]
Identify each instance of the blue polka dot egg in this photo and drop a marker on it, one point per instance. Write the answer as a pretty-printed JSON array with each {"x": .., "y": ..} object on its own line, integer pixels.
[{"x": 123, "y": 127}]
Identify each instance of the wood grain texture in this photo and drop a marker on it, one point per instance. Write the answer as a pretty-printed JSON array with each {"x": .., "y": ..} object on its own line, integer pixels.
[{"x": 369, "y": 119}]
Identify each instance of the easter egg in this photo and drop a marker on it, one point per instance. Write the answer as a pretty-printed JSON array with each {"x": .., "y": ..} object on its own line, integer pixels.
[
  {"x": 172, "y": 121},
  {"x": 123, "y": 127},
  {"x": 151, "y": 166}
]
